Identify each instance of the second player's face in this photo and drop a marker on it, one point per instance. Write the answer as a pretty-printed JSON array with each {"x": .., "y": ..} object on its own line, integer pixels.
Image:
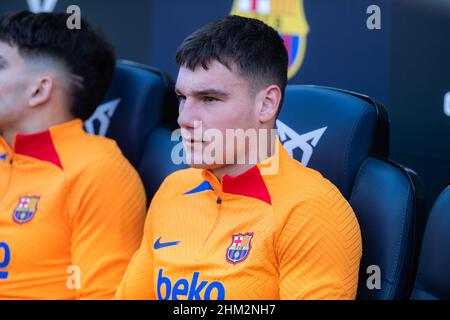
[
  {"x": 217, "y": 98},
  {"x": 14, "y": 85}
]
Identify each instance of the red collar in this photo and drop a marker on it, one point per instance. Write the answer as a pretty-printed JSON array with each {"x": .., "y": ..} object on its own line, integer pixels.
[
  {"x": 249, "y": 184},
  {"x": 39, "y": 146}
]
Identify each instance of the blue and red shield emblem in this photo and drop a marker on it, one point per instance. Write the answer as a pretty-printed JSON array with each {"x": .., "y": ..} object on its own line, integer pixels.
[
  {"x": 26, "y": 209},
  {"x": 240, "y": 247},
  {"x": 287, "y": 17}
]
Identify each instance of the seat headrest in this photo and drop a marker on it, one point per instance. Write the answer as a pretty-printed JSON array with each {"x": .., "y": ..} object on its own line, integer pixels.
[
  {"x": 385, "y": 201},
  {"x": 157, "y": 162},
  {"x": 133, "y": 107},
  {"x": 432, "y": 281},
  {"x": 332, "y": 131}
]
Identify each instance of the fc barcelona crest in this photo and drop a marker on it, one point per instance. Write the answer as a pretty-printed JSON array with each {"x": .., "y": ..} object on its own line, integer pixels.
[
  {"x": 240, "y": 247},
  {"x": 285, "y": 16},
  {"x": 26, "y": 209}
]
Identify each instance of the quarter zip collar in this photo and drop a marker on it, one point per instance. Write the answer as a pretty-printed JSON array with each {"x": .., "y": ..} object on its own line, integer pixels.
[
  {"x": 250, "y": 183},
  {"x": 41, "y": 145}
]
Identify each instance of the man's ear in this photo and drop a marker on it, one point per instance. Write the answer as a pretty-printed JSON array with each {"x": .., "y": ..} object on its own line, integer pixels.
[
  {"x": 42, "y": 91},
  {"x": 270, "y": 103}
]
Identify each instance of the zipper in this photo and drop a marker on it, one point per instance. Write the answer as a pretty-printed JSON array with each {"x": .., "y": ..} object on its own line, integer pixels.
[
  {"x": 201, "y": 252},
  {"x": 10, "y": 172},
  {"x": 10, "y": 160}
]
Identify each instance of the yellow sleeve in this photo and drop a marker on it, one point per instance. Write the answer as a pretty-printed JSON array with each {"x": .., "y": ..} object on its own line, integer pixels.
[
  {"x": 319, "y": 250},
  {"x": 137, "y": 284},
  {"x": 107, "y": 226}
]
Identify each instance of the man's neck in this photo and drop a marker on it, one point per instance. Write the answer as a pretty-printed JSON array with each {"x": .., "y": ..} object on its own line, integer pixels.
[
  {"x": 231, "y": 170},
  {"x": 237, "y": 169}
]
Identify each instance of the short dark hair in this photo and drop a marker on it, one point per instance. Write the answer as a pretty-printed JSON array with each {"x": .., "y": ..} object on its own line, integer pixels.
[
  {"x": 84, "y": 52},
  {"x": 255, "y": 48}
]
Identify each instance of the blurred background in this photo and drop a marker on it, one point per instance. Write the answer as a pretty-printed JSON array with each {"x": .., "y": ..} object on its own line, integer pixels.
[{"x": 405, "y": 64}]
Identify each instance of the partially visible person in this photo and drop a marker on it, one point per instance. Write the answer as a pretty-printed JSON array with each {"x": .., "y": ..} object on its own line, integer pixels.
[
  {"x": 264, "y": 229},
  {"x": 72, "y": 207}
]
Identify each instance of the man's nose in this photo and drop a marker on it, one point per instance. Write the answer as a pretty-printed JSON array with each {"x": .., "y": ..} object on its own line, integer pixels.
[{"x": 188, "y": 114}]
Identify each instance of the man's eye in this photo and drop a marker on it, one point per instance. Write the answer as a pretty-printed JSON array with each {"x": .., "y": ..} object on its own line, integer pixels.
[
  {"x": 210, "y": 99},
  {"x": 181, "y": 98}
]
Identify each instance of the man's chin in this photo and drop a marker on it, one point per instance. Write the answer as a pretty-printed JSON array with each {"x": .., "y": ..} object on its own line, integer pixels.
[{"x": 205, "y": 166}]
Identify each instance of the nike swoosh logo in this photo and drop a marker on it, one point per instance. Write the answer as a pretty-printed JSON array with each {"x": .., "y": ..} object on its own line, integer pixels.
[{"x": 159, "y": 245}]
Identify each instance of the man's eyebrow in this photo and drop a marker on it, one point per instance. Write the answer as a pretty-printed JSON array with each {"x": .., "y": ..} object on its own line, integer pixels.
[
  {"x": 210, "y": 92},
  {"x": 205, "y": 92}
]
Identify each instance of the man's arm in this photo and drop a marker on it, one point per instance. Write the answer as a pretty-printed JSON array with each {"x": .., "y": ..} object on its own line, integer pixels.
[
  {"x": 137, "y": 284},
  {"x": 319, "y": 250},
  {"x": 107, "y": 226}
]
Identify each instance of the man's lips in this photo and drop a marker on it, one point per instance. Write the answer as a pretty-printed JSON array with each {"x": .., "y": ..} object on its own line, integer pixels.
[{"x": 192, "y": 142}]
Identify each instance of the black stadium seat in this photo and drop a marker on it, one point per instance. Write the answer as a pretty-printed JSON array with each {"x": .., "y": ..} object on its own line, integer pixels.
[
  {"x": 342, "y": 134},
  {"x": 433, "y": 278},
  {"x": 140, "y": 101},
  {"x": 156, "y": 160},
  {"x": 345, "y": 136}
]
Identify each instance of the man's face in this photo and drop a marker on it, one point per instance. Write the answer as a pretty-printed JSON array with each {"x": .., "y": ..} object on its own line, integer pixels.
[
  {"x": 217, "y": 98},
  {"x": 14, "y": 86}
]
